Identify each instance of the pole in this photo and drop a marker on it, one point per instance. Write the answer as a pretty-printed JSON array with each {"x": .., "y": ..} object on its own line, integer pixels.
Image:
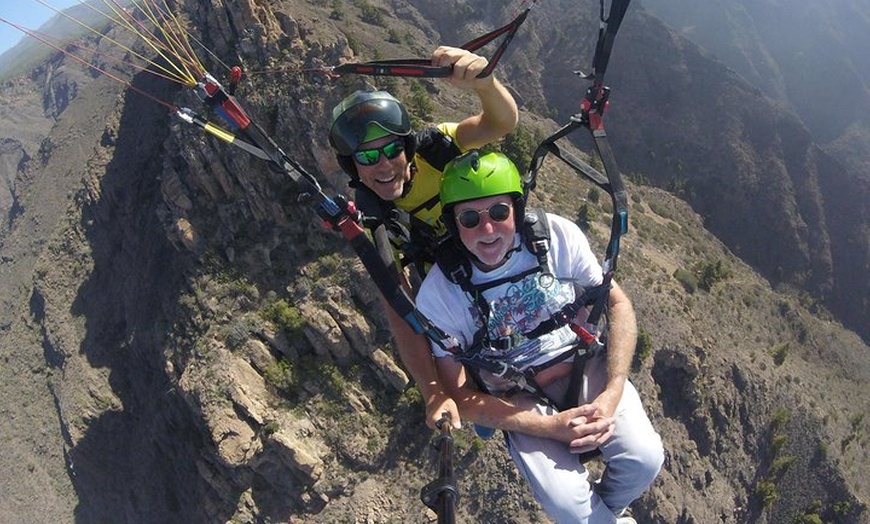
[{"x": 441, "y": 494}]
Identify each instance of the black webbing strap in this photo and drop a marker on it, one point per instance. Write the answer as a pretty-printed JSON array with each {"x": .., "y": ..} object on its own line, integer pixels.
[
  {"x": 592, "y": 108},
  {"x": 606, "y": 36},
  {"x": 564, "y": 316},
  {"x": 423, "y": 68}
]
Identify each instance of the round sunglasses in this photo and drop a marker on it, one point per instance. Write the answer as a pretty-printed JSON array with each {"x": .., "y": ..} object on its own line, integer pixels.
[
  {"x": 470, "y": 218},
  {"x": 370, "y": 157}
]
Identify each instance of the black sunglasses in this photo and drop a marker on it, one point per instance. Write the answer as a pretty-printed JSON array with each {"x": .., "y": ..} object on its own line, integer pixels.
[
  {"x": 370, "y": 157},
  {"x": 470, "y": 218}
]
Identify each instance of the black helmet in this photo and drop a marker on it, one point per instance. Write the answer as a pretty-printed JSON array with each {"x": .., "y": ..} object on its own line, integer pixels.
[
  {"x": 357, "y": 114},
  {"x": 363, "y": 116}
]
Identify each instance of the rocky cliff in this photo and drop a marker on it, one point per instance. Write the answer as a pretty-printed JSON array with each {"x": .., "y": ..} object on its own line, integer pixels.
[{"x": 182, "y": 341}]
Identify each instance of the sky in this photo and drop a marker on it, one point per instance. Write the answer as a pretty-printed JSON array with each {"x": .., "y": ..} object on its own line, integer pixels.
[{"x": 27, "y": 13}]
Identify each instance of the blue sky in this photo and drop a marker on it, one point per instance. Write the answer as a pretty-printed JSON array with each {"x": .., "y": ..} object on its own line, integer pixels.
[{"x": 27, "y": 13}]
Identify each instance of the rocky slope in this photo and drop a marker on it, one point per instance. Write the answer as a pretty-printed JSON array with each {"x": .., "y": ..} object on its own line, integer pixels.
[{"x": 181, "y": 340}]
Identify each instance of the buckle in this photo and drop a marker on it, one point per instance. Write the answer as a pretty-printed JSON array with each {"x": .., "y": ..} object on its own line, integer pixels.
[
  {"x": 458, "y": 275},
  {"x": 504, "y": 369},
  {"x": 508, "y": 342},
  {"x": 560, "y": 317}
]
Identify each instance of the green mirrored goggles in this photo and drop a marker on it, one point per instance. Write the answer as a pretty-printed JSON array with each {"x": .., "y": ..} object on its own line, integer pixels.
[{"x": 370, "y": 157}]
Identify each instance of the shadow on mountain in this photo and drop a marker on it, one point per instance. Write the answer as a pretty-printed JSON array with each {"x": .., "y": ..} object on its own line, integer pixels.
[{"x": 137, "y": 463}]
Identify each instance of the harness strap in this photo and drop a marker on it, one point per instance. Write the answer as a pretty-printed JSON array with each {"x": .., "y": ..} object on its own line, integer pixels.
[
  {"x": 524, "y": 380},
  {"x": 594, "y": 296},
  {"x": 428, "y": 204},
  {"x": 480, "y": 288},
  {"x": 560, "y": 318},
  {"x": 537, "y": 238},
  {"x": 436, "y": 148}
]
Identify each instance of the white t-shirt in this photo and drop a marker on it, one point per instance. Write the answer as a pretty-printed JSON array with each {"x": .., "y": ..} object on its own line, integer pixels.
[{"x": 516, "y": 308}]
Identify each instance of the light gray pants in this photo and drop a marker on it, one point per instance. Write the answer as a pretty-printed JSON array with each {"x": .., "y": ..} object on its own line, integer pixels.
[{"x": 632, "y": 458}]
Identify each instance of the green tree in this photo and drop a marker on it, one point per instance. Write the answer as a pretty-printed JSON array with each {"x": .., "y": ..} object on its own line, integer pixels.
[
  {"x": 594, "y": 195},
  {"x": 520, "y": 145},
  {"x": 766, "y": 493},
  {"x": 779, "y": 352},
  {"x": 709, "y": 273},
  {"x": 371, "y": 15},
  {"x": 421, "y": 104},
  {"x": 285, "y": 316},
  {"x": 688, "y": 280},
  {"x": 585, "y": 216},
  {"x": 644, "y": 348},
  {"x": 337, "y": 10}
]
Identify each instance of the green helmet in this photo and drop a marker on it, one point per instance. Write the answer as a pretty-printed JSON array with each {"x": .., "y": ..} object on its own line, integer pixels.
[
  {"x": 479, "y": 175},
  {"x": 364, "y": 116}
]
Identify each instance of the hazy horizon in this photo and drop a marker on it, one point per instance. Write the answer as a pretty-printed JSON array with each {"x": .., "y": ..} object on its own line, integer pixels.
[{"x": 29, "y": 14}]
